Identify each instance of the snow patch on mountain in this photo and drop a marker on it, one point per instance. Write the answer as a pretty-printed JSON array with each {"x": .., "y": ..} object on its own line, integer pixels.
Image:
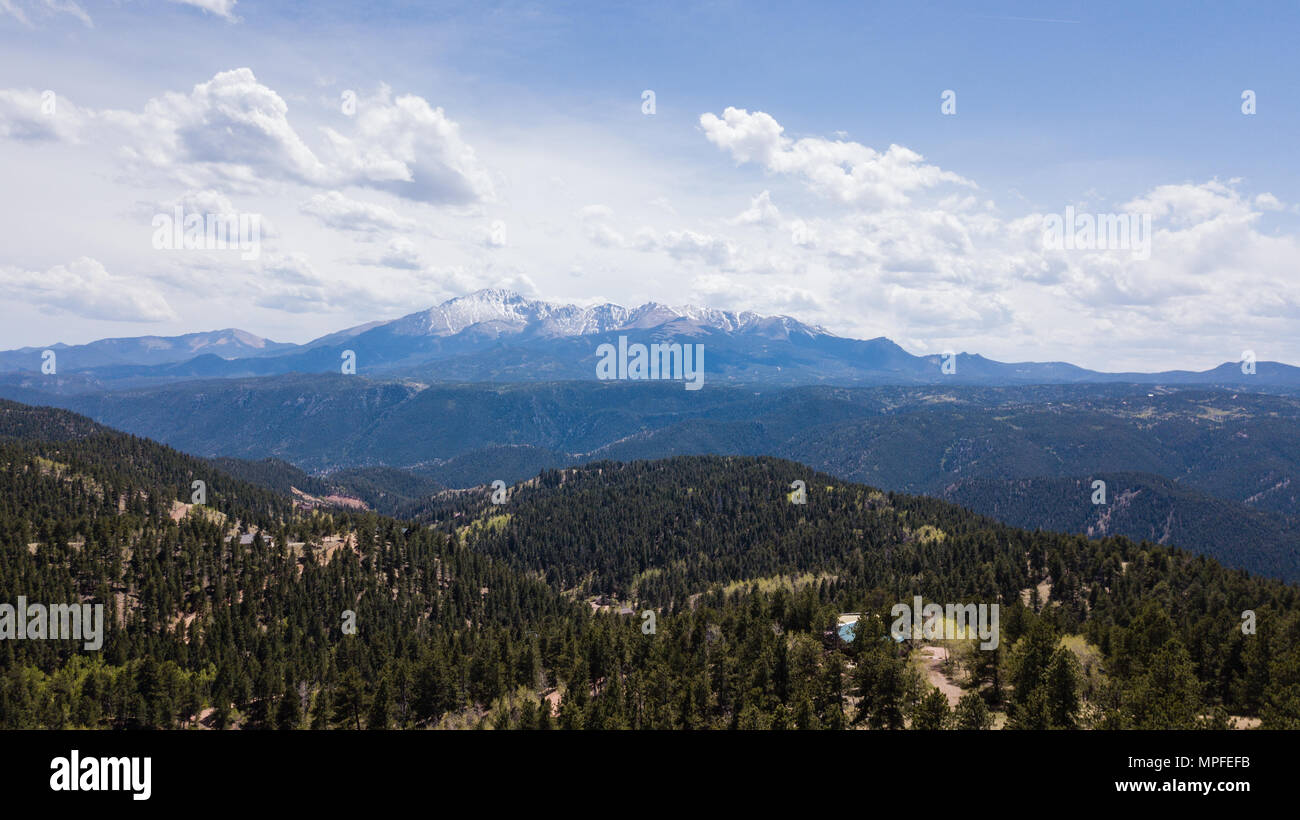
[{"x": 506, "y": 311}]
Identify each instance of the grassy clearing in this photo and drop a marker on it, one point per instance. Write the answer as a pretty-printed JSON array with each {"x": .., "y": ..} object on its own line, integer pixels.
[
  {"x": 480, "y": 526},
  {"x": 927, "y": 534},
  {"x": 773, "y": 583}
]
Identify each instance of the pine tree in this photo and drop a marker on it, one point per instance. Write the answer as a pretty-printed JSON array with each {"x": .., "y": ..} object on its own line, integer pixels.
[
  {"x": 1168, "y": 695},
  {"x": 882, "y": 687},
  {"x": 321, "y": 710},
  {"x": 972, "y": 713},
  {"x": 932, "y": 712},
  {"x": 1063, "y": 690},
  {"x": 289, "y": 713},
  {"x": 830, "y": 704},
  {"x": 349, "y": 700},
  {"x": 381, "y": 706},
  {"x": 1030, "y": 658},
  {"x": 528, "y": 714}
]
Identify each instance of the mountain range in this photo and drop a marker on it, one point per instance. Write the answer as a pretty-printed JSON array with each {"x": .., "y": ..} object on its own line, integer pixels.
[
  {"x": 497, "y": 335},
  {"x": 493, "y": 386},
  {"x": 1211, "y": 470}
]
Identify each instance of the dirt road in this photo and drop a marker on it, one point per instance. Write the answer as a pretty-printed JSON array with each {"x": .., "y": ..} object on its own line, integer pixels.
[{"x": 932, "y": 661}]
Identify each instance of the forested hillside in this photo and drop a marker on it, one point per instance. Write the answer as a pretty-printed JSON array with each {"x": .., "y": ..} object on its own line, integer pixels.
[
  {"x": 1141, "y": 506},
  {"x": 1238, "y": 452},
  {"x": 233, "y": 613},
  {"x": 383, "y": 489},
  {"x": 660, "y": 533},
  {"x": 687, "y": 593}
]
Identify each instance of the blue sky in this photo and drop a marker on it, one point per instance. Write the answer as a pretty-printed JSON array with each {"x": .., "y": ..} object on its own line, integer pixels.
[{"x": 505, "y": 145}]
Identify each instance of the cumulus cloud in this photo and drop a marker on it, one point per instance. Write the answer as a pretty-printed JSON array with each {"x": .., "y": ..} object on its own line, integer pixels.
[
  {"x": 1268, "y": 202},
  {"x": 940, "y": 272},
  {"x": 400, "y": 253},
  {"x": 1211, "y": 276},
  {"x": 40, "y": 116},
  {"x": 848, "y": 172},
  {"x": 765, "y": 297},
  {"x": 289, "y": 282},
  {"x": 84, "y": 288},
  {"x": 337, "y": 211},
  {"x": 761, "y": 211},
  {"x": 230, "y": 129},
  {"x": 1186, "y": 205},
  {"x": 209, "y": 202},
  {"x": 495, "y": 234},
  {"x": 234, "y": 132},
  {"x": 410, "y": 149},
  {"x": 890, "y": 244},
  {"x": 1204, "y": 246},
  {"x": 949, "y": 269},
  {"x": 689, "y": 245},
  {"x": 458, "y": 281},
  {"x": 919, "y": 244}
]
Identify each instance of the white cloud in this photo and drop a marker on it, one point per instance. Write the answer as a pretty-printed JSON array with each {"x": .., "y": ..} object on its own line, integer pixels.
[
  {"x": 221, "y": 8},
  {"x": 689, "y": 245},
  {"x": 84, "y": 288},
  {"x": 232, "y": 131},
  {"x": 21, "y": 11},
  {"x": 334, "y": 210},
  {"x": 890, "y": 245},
  {"x": 772, "y": 297},
  {"x": 398, "y": 284},
  {"x": 11, "y": 8},
  {"x": 848, "y": 172},
  {"x": 70, "y": 8},
  {"x": 400, "y": 253},
  {"x": 412, "y": 150},
  {"x": 210, "y": 202},
  {"x": 596, "y": 225},
  {"x": 761, "y": 211},
  {"x": 1186, "y": 205},
  {"x": 31, "y": 115},
  {"x": 290, "y": 283},
  {"x": 1268, "y": 202},
  {"x": 663, "y": 204},
  {"x": 957, "y": 273}
]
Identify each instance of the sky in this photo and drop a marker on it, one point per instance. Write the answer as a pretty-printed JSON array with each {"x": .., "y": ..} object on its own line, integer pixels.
[{"x": 878, "y": 169}]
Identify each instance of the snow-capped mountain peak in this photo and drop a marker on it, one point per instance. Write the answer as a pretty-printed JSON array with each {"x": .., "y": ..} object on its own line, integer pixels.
[{"x": 505, "y": 311}]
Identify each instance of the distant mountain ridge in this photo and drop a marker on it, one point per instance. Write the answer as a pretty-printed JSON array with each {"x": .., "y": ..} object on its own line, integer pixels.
[
  {"x": 147, "y": 350},
  {"x": 496, "y": 335}
]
